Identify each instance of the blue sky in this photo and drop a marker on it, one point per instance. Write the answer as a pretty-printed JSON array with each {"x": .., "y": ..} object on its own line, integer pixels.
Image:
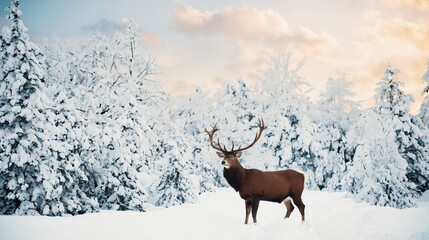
[{"x": 206, "y": 43}]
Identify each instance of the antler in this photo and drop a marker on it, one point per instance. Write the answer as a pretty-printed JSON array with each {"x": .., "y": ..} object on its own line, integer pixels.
[
  {"x": 218, "y": 147},
  {"x": 262, "y": 127}
]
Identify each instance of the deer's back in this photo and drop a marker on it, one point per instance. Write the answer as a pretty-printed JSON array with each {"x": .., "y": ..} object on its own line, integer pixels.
[{"x": 272, "y": 186}]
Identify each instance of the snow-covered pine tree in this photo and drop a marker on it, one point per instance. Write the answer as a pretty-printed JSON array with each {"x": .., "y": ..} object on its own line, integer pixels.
[
  {"x": 24, "y": 171},
  {"x": 118, "y": 128},
  {"x": 193, "y": 114},
  {"x": 103, "y": 77},
  {"x": 421, "y": 173},
  {"x": 66, "y": 144},
  {"x": 393, "y": 103},
  {"x": 139, "y": 70},
  {"x": 177, "y": 184},
  {"x": 332, "y": 118},
  {"x": 290, "y": 131},
  {"x": 424, "y": 107},
  {"x": 237, "y": 109},
  {"x": 48, "y": 178},
  {"x": 234, "y": 104},
  {"x": 377, "y": 174}
]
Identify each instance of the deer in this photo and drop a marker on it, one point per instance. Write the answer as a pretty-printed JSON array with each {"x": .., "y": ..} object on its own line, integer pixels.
[{"x": 254, "y": 185}]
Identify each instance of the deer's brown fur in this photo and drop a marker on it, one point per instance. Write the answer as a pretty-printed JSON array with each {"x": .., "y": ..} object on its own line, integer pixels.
[{"x": 254, "y": 185}]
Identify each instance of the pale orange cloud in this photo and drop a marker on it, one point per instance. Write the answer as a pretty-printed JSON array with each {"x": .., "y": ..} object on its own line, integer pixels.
[
  {"x": 152, "y": 39},
  {"x": 419, "y": 5},
  {"x": 254, "y": 34},
  {"x": 404, "y": 44},
  {"x": 247, "y": 22},
  {"x": 307, "y": 43},
  {"x": 251, "y": 33},
  {"x": 253, "y": 26}
]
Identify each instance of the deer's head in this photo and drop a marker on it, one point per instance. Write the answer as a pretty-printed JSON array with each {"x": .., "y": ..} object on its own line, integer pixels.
[{"x": 230, "y": 157}]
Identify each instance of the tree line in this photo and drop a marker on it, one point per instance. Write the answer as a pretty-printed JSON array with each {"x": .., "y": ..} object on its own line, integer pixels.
[{"x": 85, "y": 126}]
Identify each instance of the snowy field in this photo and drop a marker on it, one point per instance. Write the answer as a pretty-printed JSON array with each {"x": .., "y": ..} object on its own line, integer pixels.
[{"x": 220, "y": 215}]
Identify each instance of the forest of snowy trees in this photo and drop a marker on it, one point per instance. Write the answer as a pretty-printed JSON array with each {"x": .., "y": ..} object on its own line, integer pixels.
[{"x": 85, "y": 126}]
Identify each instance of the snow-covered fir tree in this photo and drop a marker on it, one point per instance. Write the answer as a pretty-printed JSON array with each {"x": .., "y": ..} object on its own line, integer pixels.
[
  {"x": 234, "y": 104},
  {"x": 422, "y": 178},
  {"x": 237, "y": 110},
  {"x": 192, "y": 115},
  {"x": 332, "y": 117},
  {"x": 25, "y": 170},
  {"x": 377, "y": 174},
  {"x": 139, "y": 68},
  {"x": 71, "y": 179},
  {"x": 104, "y": 78},
  {"x": 177, "y": 185},
  {"x": 290, "y": 132},
  {"x": 117, "y": 126},
  {"x": 424, "y": 107},
  {"x": 393, "y": 104}
]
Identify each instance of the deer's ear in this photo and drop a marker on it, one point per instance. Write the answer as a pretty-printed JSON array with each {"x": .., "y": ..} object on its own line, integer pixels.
[
  {"x": 238, "y": 154},
  {"x": 220, "y": 154}
]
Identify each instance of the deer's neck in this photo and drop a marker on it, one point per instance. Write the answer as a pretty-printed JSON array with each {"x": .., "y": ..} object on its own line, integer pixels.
[{"x": 235, "y": 176}]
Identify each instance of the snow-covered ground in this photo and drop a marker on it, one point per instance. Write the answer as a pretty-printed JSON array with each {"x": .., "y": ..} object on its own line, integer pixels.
[{"x": 220, "y": 215}]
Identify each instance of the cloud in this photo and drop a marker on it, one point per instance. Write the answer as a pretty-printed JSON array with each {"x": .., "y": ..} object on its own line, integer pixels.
[
  {"x": 401, "y": 42},
  {"x": 253, "y": 26},
  {"x": 419, "y": 5},
  {"x": 246, "y": 23},
  {"x": 250, "y": 32},
  {"x": 152, "y": 39},
  {"x": 244, "y": 37},
  {"x": 307, "y": 43},
  {"x": 398, "y": 31},
  {"x": 371, "y": 14},
  {"x": 105, "y": 26}
]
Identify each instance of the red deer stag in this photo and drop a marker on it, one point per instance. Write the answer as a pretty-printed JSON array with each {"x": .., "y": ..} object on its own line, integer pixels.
[{"x": 254, "y": 185}]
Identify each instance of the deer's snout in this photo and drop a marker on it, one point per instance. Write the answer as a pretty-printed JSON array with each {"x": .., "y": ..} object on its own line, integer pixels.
[{"x": 225, "y": 164}]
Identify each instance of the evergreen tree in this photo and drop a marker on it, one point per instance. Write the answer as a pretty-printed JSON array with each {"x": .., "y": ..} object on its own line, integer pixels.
[
  {"x": 421, "y": 173},
  {"x": 40, "y": 156},
  {"x": 333, "y": 120},
  {"x": 176, "y": 185},
  {"x": 237, "y": 109},
  {"x": 66, "y": 144},
  {"x": 25, "y": 172},
  {"x": 424, "y": 107},
  {"x": 235, "y": 105},
  {"x": 192, "y": 115},
  {"x": 290, "y": 135},
  {"x": 104, "y": 78},
  {"x": 377, "y": 174},
  {"x": 393, "y": 103}
]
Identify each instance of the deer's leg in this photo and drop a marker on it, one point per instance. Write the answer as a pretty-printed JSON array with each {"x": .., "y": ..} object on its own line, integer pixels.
[
  {"x": 289, "y": 207},
  {"x": 255, "y": 205},
  {"x": 298, "y": 202},
  {"x": 248, "y": 208}
]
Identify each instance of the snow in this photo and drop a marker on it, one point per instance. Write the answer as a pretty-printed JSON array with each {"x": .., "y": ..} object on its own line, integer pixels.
[
  {"x": 220, "y": 215},
  {"x": 85, "y": 128}
]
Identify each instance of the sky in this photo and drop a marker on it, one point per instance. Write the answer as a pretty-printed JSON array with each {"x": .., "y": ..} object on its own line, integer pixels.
[{"x": 207, "y": 43}]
